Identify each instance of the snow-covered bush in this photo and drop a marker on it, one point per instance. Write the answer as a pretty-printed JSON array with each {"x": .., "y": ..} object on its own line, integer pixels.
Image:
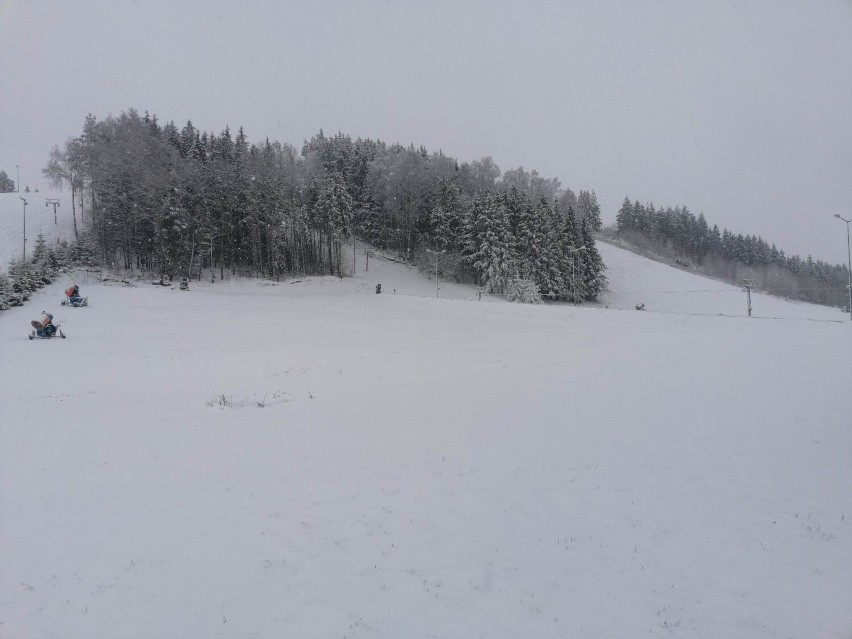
[
  {"x": 8, "y": 296},
  {"x": 83, "y": 252},
  {"x": 24, "y": 276},
  {"x": 523, "y": 291}
]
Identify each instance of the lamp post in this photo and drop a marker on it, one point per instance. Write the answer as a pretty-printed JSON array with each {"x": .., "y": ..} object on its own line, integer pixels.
[
  {"x": 849, "y": 262},
  {"x": 55, "y": 204},
  {"x": 436, "y": 254},
  {"x": 25, "y": 228},
  {"x": 574, "y": 252},
  {"x": 748, "y": 284}
]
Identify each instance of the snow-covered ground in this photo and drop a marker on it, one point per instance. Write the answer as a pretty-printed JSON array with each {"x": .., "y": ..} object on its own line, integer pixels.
[
  {"x": 661, "y": 288},
  {"x": 39, "y": 219},
  {"x": 310, "y": 459}
]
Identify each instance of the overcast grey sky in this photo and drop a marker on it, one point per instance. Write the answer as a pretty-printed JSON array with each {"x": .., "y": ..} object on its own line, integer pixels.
[{"x": 741, "y": 109}]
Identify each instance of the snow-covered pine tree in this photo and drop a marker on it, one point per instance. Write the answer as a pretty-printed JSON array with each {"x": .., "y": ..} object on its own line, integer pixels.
[
  {"x": 439, "y": 230},
  {"x": 523, "y": 236},
  {"x": 584, "y": 204},
  {"x": 570, "y": 263},
  {"x": 8, "y": 296},
  {"x": 7, "y": 184},
  {"x": 523, "y": 291},
  {"x": 536, "y": 262},
  {"x": 486, "y": 244},
  {"x": 332, "y": 214},
  {"x": 445, "y": 219},
  {"x": 624, "y": 217},
  {"x": 548, "y": 252},
  {"x": 500, "y": 262},
  {"x": 40, "y": 248},
  {"x": 594, "y": 279},
  {"x": 594, "y": 213}
]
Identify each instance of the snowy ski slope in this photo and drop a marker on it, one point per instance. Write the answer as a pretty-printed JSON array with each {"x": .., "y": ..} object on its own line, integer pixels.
[
  {"x": 39, "y": 219},
  {"x": 310, "y": 459}
]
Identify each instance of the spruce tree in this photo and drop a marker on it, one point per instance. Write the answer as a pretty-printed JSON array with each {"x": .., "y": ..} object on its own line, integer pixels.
[
  {"x": 594, "y": 279},
  {"x": 624, "y": 217},
  {"x": 587, "y": 204},
  {"x": 487, "y": 245},
  {"x": 594, "y": 214},
  {"x": 7, "y": 184}
]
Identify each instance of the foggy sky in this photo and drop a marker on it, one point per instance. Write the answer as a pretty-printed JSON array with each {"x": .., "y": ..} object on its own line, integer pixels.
[{"x": 741, "y": 110}]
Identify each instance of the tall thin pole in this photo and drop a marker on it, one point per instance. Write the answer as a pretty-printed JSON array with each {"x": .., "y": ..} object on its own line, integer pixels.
[
  {"x": 437, "y": 281},
  {"x": 574, "y": 274},
  {"x": 574, "y": 252},
  {"x": 17, "y": 168},
  {"x": 747, "y": 284},
  {"x": 849, "y": 267},
  {"x": 25, "y": 229},
  {"x": 849, "y": 262}
]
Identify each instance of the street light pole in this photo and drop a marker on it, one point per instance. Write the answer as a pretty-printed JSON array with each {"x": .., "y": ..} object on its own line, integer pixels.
[
  {"x": 574, "y": 252},
  {"x": 748, "y": 285},
  {"x": 25, "y": 228},
  {"x": 849, "y": 262},
  {"x": 436, "y": 254}
]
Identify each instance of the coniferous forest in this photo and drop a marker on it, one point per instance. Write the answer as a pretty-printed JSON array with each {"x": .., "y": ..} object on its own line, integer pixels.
[
  {"x": 732, "y": 257},
  {"x": 180, "y": 201}
]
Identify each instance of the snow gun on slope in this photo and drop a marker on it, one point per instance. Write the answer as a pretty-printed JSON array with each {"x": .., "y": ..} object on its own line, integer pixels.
[
  {"x": 44, "y": 328},
  {"x": 73, "y": 298}
]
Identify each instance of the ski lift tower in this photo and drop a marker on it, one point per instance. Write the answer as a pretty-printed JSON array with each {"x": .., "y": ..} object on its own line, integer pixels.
[{"x": 48, "y": 201}]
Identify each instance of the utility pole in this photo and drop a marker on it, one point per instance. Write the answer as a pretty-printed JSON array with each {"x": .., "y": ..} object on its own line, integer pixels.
[
  {"x": 55, "y": 204},
  {"x": 25, "y": 228},
  {"x": 849, "y": 263},
  {"x": 574, "y": 252},
  {"x": 436, "y": 254},
  {"x": 748, "y": 284}
]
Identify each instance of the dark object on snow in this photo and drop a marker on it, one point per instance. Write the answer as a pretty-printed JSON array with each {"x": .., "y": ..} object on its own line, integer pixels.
[
  {"x": 378, "y": 288},
  {"x": 184, "y": 284},
  {"x": 640, "y": 306},
  {"x": 44, "y": 328},
  {"x": 73, "y": 298}
]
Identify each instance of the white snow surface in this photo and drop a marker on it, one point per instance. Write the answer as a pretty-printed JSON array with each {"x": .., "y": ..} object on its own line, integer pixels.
[
  {"x": 405, "y": 466},
  {"x": 662, "y": 288},
  {"x": 39, "y": 219}
]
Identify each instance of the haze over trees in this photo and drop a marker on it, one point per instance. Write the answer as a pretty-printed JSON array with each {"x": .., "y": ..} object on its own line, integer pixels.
[
  {"x": 732, "y": 257},
  {"x": 7, "y": 184},
  {"x": 179, "y": 201}
]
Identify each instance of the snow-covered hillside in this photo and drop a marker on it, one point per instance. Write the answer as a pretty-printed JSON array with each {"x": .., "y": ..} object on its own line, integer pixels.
[
  {"x": 635, "y": 279},
  {"x": 310, "y": 459},
  {"x": 39, "y": 219}
]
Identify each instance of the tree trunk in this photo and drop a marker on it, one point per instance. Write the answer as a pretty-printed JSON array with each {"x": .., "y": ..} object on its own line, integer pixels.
[
  {"x": 191, "y": 258},
  {"x": 74, "y": 210}
]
